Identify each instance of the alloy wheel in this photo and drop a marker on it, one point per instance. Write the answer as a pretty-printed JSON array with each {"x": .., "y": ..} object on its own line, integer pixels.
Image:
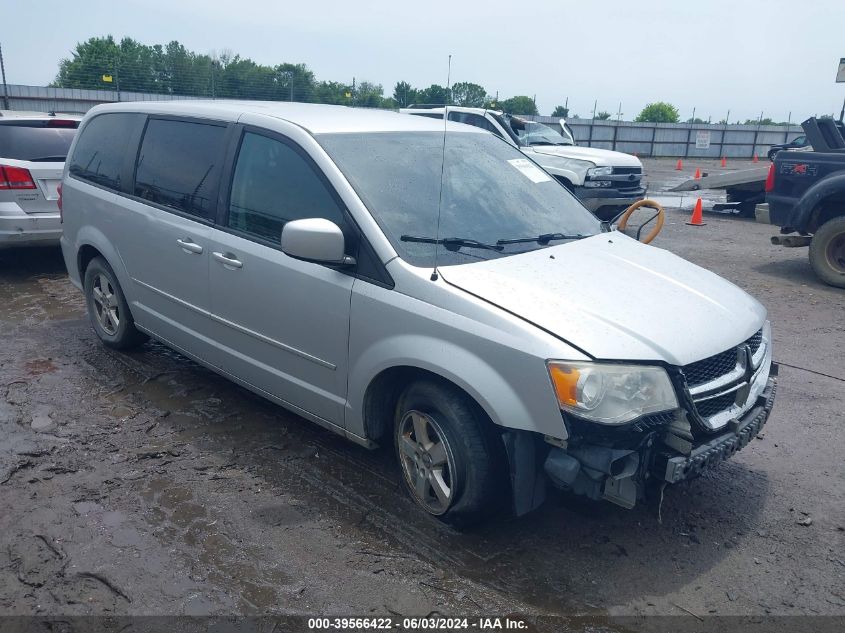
[
  {"x": 427, "y": 461},
  {"x": 106, "y": 305}
]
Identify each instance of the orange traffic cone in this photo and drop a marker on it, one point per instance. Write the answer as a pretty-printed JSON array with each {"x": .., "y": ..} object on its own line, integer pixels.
[
  {"x": 755, "y": 159},
  {"x": 696, "y": 219},
  {"x": 724, "y": 162},
  {"x": 697, "y": 174},
  {"x": 680, "y": 165}
]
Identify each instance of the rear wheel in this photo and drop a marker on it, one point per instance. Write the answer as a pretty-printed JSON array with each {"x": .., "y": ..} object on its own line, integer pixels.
[
  {"x": 107, "y": 307},
  {"x": 452, "y": 461},
  {"x": 827, "y": 252}
]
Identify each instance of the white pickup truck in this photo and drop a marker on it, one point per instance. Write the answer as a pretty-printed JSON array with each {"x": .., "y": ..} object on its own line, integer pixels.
[{"x": 606, "y": 182}]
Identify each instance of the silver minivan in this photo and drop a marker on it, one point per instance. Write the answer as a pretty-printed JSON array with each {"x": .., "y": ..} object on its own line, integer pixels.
[{"x": 395, "y": 280}]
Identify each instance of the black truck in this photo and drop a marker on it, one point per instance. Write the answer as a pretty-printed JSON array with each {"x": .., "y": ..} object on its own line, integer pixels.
[{"x": 806, "y": 196}]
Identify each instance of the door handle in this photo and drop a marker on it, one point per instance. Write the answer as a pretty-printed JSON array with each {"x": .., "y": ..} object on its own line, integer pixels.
[
  {"x": 228, "y": 259},
  {"x": 189, "y": 246}
]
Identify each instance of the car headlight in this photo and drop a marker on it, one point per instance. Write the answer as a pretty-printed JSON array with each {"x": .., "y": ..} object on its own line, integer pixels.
[
  {"x": 609, "y": 393},
  {"x": 596, "y": 172}
]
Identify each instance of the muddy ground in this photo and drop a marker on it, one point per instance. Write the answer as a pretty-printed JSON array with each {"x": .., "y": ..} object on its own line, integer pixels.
[{"x": 143, "y": 484}]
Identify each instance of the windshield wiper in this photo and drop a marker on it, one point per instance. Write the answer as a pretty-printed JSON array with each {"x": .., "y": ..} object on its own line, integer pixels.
[
  {"x": 541, "y": 143},
  {"x": 543, "y": 239},
  {"x": 452, "y": 243},
  {"x": 48, "y": 159}
]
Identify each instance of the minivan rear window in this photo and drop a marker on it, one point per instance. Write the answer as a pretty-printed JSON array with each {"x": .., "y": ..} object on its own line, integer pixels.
[
  {"x": 34, "y": 141},
  {"x": 178, "y": 165},
  {"x": 99, "y": 154}
]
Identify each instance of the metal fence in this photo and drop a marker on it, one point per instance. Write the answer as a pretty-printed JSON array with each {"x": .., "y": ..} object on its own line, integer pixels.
[
  {"x": 643, "y": 139},
  {"x": 678, "y": 139},
  {"x": 72, "y": 100}
]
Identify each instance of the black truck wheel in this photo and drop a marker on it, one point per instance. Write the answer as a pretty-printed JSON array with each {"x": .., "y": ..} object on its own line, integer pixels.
[{"x": 827, "y": 252}]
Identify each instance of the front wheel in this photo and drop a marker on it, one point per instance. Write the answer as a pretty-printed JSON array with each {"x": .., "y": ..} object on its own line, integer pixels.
[
  {"x": 827, "y": 252},
  {"x": 452, "y": 460},
  {"x": 107, "y": 307}
]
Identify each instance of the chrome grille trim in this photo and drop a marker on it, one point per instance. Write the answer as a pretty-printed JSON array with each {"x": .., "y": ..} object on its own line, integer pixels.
[{"x": 753, "y": 358}]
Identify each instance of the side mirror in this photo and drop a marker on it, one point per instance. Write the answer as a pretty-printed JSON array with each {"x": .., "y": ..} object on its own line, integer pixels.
[{"x": 315, "y": 240}]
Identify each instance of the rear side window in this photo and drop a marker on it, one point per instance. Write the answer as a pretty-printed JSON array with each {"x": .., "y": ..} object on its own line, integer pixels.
[
  {"x": 273, "y": 184},
  {"x": 179, "y": 165},
  {"x": 35, "y": 141},
  {"x": 101, "y": 149}
]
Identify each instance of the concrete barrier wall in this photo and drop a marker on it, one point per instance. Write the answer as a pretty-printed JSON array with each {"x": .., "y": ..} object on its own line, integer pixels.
[
  {"x": 677, "y": 139},
  {"x": 644, "y": 139}
]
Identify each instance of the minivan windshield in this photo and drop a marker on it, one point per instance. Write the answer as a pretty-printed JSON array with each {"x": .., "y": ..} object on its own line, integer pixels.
[{"x": 495, "y": 202}]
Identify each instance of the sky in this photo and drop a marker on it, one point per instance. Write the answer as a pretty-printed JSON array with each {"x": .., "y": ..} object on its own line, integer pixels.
[{"x": 744, "y": 56}]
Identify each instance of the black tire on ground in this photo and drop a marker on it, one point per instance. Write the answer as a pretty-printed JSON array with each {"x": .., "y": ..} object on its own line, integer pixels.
[
  {"x": 472, "y": 462},
  {"x": 827, "y": 252},
  {"x": 107, "y": 308}
]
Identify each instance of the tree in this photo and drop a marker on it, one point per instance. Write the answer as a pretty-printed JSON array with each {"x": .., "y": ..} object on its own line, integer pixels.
[
  {"x": 469, "y": 95},
  {"x": 404, "y": 94},
  {"x": 561, "y": 111},
  {"x": 603, "y": 115},
  {"x": 519, "y": 105},
  {"x": 369, "y": 95},
  {"x": 696, "y": 120},
  {"x": 433, "y": 95},
  {"x": 659, "y": 112},
  {"x": 766, "y": 121}
]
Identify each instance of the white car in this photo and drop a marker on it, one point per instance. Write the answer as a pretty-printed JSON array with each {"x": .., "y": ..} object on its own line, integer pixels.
[
  {"x": 606, "y": 182},
  {"x": 33, "y": 148}
]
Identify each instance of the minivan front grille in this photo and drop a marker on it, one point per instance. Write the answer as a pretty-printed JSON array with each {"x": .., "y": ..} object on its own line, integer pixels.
[
  {"x": 711, "y": 368},
  {"x": 707, "y": 408},
  {"x": 708, "y": 370}
]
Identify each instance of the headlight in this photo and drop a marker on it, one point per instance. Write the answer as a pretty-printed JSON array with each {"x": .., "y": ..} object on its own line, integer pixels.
[
  {"x": 611, "y": 394},
  {"x": 596, "y": 172}
]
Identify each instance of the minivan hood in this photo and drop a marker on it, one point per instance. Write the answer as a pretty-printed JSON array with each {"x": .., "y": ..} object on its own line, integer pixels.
[
  {"x": 617, "y": 299},
  {"x": 601, "y": 157}
]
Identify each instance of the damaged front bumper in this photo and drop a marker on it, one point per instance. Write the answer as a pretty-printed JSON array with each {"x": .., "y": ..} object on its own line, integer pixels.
[{"x": 617, "y": 473}]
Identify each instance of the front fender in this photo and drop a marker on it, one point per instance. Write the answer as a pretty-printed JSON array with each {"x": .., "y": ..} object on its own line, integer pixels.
[{"x": 487, "y": 386}]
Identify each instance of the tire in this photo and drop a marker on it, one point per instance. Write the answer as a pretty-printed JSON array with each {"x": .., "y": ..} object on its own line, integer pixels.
[
  {"x": 827, "y": 252},
  {"x": 772, "y": 154},
  {"x": 469, "y": 468},
  {"x": 107, "y": 308}
]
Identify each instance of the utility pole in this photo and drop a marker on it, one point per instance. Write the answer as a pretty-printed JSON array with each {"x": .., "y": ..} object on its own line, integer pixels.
[
  {"x": 5, "y": 89},
  {"x": 353, "y": 92},
  {"x": 595, "y": 106},
  {"x": 117, "y": 76},
  {"x": 213, "y": 66}
]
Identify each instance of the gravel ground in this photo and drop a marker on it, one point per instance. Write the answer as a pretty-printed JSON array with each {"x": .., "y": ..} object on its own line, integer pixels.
[{"x": 143, "y": 484}]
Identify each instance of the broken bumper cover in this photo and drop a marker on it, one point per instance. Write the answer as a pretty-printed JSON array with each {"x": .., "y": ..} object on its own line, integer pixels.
[
  {"x": 742, "y": 431},
  {"x": 619, "y": 475}
]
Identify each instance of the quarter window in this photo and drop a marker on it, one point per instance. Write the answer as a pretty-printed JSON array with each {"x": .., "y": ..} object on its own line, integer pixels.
[
  {"x": 100, "y": 150},
  {"x": 178, "y": 165},
  {"x": 274, "y": 184}
]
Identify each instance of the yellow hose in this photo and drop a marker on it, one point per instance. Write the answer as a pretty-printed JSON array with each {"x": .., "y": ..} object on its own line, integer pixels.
[{"x": 661, "y": 218}]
